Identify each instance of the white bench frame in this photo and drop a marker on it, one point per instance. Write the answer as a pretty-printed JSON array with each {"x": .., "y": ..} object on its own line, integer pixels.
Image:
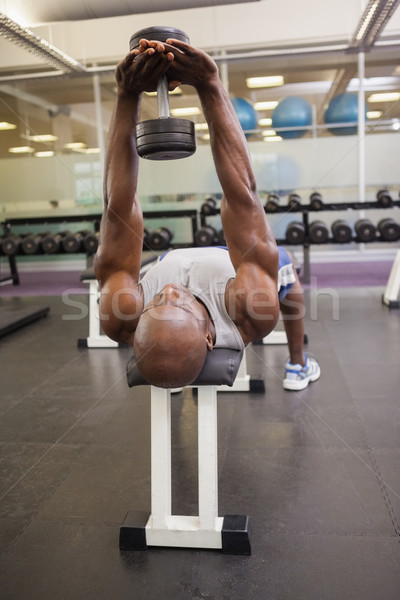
[{"x": 162, "y": 528}]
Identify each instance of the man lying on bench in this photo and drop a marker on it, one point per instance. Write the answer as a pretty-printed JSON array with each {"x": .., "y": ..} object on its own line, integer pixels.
[{"x": 195, "y": 299}]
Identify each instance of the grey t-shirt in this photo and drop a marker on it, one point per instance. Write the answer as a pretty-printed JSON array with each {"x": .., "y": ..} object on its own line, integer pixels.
[{"x": 205, "y": 272}]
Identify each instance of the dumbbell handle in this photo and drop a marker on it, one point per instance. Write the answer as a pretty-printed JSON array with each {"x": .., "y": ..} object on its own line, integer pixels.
[{"x": 163, "y": 98}]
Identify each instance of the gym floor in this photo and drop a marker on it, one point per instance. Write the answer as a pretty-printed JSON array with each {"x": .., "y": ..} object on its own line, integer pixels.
[{"x": 316, "y": 471}]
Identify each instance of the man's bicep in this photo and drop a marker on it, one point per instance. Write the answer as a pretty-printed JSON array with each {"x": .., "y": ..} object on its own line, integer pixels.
[
  {"x": 249, "y": 238},
  {"x": 120, "y": 306}
]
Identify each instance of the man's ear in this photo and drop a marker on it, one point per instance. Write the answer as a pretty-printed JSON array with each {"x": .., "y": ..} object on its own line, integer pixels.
[{"x": 209, "y": 341}]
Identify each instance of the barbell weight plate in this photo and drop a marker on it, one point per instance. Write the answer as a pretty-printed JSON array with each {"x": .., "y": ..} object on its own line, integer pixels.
[
  {"x": 161, "y": 34},
  {"x": 165, "y": 139},
  {"x": 166, "y": 150},
  {"x": 165, "y": 126}
]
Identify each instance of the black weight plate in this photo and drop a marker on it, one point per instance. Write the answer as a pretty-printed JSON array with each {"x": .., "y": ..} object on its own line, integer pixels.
[
  {"x": 295, "y": 233},
  {"x": 161, "y": 34},
  {"x": 318, "y": 232},
  {"x": 167, "y": 125},
  {"x": 165, "y": 138},
  {"x": 169, "y": 151}
]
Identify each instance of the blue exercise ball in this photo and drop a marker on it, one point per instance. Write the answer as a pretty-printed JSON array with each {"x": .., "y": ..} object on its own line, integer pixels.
[
  {"x": 293, "y": 111},
  {"x": 246, "y": 113},
  {"x": 342, "y": 109}
]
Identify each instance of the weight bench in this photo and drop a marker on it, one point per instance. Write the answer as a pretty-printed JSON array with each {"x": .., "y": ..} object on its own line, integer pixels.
[
  {"x": 207, "y": 530},
  {"x": 391, "y": 295}
]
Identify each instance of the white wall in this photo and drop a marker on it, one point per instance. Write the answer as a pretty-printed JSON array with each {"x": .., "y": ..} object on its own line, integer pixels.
[{"x": 329, "y": 164}]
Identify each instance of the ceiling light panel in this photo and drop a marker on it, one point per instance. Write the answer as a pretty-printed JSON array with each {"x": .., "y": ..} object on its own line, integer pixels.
[
  {"x": 263, "y": 82},
  {"x": 384, "y": 97}
]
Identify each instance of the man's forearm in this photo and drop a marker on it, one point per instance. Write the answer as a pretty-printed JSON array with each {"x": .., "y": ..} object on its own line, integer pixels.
[
  {"x": 228, "y": 143},
  {"x": 122, "y": 161}
]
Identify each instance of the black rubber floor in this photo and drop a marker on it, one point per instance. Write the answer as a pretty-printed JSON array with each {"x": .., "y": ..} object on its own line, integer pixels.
[{"x": 318, "y": 472}]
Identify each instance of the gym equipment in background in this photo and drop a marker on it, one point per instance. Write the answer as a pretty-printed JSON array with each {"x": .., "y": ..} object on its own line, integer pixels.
[
  {"x": 14, "y": 315},
  {"x": 292, "y": 111},
  {"x": 342, "y": 108},
  {"x": 51, "y": 243},
  {"x": 384, "y": 199},
  {"x": 11, "y": 244},
  {"x": 246, "y": 114},
  {"x": 341, "y": 231},
  {"x": 208, "y": 207},
  {"x": 318, "y": 232},
  {"x": 206, "y": 236},
  {"x": 32, "y": 243},
  {"x": 272, "y": 203},
  {"x": 295, "y": 233},
  {"x": 390, "y": 296},
  {"x": 164, "y": 138},
  {"x": 294, "y": 201},
  {"x": 389, "y": 230},
  {"x": 74, "y": 242},
  {"x": 316, "y": 202},
  {"x": 159, "y": 239},
  {"x": 365, "y": 230}
]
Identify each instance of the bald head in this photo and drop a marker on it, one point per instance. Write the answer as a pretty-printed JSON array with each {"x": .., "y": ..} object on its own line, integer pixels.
[{"x": 170, "y": 346}]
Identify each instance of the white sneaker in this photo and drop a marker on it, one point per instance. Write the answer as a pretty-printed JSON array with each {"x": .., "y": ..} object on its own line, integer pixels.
[{"x": 298, "y": 377}]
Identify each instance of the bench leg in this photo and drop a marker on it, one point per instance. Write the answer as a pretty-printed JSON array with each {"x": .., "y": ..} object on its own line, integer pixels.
[
  {"x": 207, "y": 530},
  {"x": 391, "y": 294}
]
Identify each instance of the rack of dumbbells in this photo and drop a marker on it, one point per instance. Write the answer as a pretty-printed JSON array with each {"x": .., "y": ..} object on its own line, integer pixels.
[
  {"x": 309, "y": 229},
  {"x": 312, "y": 229},
  {"x": 39, "y": 239}
]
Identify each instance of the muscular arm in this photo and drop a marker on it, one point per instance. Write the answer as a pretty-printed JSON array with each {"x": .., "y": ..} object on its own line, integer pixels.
[
  {"x": 250, "y": 240},
  {"x": 118, "y": 259}
]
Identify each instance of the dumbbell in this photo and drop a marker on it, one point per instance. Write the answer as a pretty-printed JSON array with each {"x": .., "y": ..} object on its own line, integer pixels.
[
  {"x": 365, "y": 230},
  {"x": 272, "y": 204},
  {"x": 160, "y": 239},
  {"x": 163, "y": 138},
  {"x": 384, "y": 199},
  {"x": 11, "y": 244},
  {"x": 208, "y": 206},
  {"x": 341, "y": 231},
  {"x": 318, "y": 232},
  {"x": 316, "y": 202},
  {"x": 90, "y": 242},
  {"x": 72, "y": 242},
  {"x": 31, "y": 243},
  {"x": 295, "y": 233},
  {"x": 389, "y": 230},
  {"x": 294, "y": 201},
  {"x": 206, "y": 236},
  {"x": 51, "y": 243}
]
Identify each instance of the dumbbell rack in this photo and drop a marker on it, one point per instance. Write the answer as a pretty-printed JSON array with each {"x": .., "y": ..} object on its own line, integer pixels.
[
  {"x": 8, "y": 224},
  {"x": 306, "y": 211}
]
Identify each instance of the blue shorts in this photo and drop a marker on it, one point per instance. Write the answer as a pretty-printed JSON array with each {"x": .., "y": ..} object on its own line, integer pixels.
[{"x": 286, "y": 274}]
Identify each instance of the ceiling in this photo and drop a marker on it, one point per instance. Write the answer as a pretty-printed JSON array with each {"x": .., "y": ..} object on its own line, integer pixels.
[{"x": 44, "y": 102}]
